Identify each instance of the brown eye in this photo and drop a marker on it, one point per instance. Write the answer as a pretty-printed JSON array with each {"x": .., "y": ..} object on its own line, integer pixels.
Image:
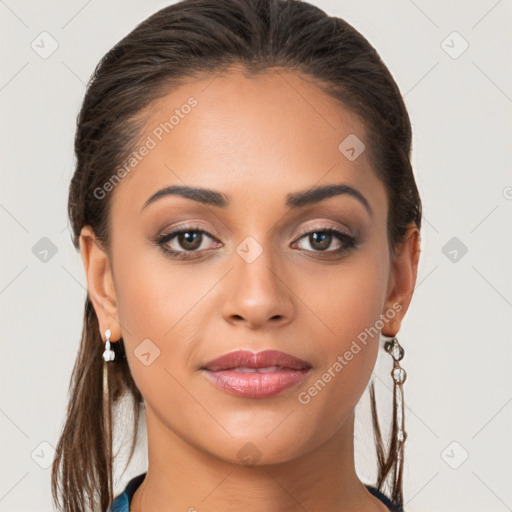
[
  {"x": 184, "y": 242},
  {"x": 320, "y": 240},
  {"x": 189, "y": 240}
]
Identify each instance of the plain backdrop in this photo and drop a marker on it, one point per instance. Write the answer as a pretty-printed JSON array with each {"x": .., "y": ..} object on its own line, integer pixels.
[{"x": 452, "y": 62}]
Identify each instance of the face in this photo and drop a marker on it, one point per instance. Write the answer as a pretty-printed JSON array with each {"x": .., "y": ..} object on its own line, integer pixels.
[{"x": 251, "y": 269}]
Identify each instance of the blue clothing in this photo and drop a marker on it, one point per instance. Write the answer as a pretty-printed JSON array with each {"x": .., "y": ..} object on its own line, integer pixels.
[{"x": 122, "y": 501}]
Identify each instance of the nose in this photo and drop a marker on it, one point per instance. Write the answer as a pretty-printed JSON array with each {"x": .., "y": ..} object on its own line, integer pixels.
[{"x": 257, "y": 293}]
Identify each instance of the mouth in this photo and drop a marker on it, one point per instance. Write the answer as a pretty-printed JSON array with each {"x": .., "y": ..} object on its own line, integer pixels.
[
  {"x": 261, "y": 375},
  {"x": 266, "y": 361}
]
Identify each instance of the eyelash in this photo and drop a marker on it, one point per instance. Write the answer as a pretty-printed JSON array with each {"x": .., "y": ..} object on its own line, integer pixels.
[{"x": 348, "y": 241}]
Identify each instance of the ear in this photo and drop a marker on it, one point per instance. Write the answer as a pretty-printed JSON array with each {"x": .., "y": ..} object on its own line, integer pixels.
[
  {"x": 100, "y": 283},
  {"x": 402, "y": 279}
]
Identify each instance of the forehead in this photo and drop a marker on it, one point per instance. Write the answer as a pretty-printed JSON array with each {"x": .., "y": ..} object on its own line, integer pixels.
[{"x": 265, "y": 135}]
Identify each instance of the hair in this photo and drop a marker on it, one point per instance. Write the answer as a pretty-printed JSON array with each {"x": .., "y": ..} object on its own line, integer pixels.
[{"x": 189, "y": 40}]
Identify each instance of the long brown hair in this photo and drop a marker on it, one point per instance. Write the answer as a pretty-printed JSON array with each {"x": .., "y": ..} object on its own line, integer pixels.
[{"x": 193, "y": 39}]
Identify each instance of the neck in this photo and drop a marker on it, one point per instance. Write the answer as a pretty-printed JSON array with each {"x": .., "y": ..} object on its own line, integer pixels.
[{"x": 182, "y": 477}]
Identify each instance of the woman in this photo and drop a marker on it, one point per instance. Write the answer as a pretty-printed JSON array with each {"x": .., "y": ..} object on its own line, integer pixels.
[{"x": 249, "y": 222}]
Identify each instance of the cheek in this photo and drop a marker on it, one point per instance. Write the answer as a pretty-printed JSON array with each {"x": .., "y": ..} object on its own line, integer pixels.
[
  {"x": 345, "y": 304},
  {"x": 345, "y": 300},
  {"x": 160, "y": 305},
  {"x": 153, "y": 292}
]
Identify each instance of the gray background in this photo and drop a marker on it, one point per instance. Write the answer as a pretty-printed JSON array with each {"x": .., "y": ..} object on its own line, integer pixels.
[{"x": 457, "y": 333}]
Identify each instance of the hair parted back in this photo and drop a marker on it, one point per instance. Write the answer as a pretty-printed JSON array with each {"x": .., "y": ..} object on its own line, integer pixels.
[{"x": 194, "y": 39}]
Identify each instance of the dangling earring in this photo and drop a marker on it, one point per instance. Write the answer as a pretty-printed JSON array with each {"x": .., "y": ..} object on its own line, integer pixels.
[
  {"x": 399, "y": 375},
  {"x": 109, "y": 354}
]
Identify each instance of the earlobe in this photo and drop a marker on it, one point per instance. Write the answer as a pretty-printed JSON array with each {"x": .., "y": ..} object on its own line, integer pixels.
[
  {"x": 403, "y": 279},
  {"x": 100, "y": 282}
]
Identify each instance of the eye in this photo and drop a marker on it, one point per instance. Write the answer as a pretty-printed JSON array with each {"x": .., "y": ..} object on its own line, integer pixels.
[
  {"x": 321, "y": 239},
  {"x": 184, "y": 242}
]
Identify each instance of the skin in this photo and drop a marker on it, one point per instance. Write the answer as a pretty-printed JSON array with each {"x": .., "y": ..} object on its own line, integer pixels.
[{"x": 256, "y": 139}]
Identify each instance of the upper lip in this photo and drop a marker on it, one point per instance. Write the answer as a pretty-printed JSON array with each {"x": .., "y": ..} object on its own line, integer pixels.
[{"x": 248, "y": 359}]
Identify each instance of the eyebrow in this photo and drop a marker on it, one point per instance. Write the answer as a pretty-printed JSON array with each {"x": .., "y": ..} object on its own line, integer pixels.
[{"x": 295, "y": 200}]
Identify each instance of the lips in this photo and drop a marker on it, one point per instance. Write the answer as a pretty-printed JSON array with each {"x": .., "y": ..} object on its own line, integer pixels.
[
  {"x": 261, "y": 375},
  {"x": 266, "y": 361}
]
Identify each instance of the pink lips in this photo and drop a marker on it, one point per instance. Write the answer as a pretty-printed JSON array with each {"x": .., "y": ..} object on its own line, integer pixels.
[{"x": 260, "y": 375}]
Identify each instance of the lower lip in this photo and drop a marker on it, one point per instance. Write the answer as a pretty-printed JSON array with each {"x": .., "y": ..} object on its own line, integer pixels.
[{"x": 256, "y": 385}]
